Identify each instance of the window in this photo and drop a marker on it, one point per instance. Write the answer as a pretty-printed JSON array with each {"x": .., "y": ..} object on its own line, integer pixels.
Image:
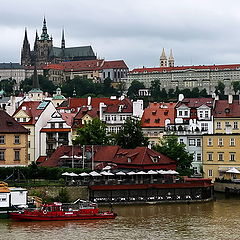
[
  {"x": 2, "y": 139},
  {"x": 219, "y": 125},
  {"x": 200, "y": 114},
  {"x": 191, "y": 142},
  {"x": 232, "y": 157},
  {"x": 204, "y": 126},
  {"x": 232, "y": 142},
  {"x": 198, "y": 142},
  {"x": 227, "y": 124},
  {"x": 210, "y": 156},
  {"x": 52, "y": 125},
  {"x": 17, "y": 139},
  {"x": 29, "y": 144},
  {"x": 181, "y": 141},
  {"x": 199, "y": 157},
  {"x": 220, "y": 142},
  {"x": 220, "y": 157},
  {"x": 129, "y": 159},
  {"x": 210, "y": 172},
  {"x": 210, "y": 143},
  {"x": 60, "y": 125},
  {"x": 29, "y": 157},
  {"x": 2, "y": 155},
  {"x": 24, "y": 120},
  {"x": 17, "y": 155},
  {"x": 235, "y": 125},
  {"x": 195, "y": 170},
  {"x": 206, "y": 114},
  {"x": 180, "y": 113},
  {"x": 186, "y": 113},
  {"x": 3, "y": 197}
]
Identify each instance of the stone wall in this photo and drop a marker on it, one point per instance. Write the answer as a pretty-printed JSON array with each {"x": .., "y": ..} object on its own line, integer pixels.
[
  {"x": 220, "y": 187},
  {"x": 52, "y": 191}
]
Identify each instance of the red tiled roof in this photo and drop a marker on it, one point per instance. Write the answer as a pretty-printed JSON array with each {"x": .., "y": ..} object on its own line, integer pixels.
[
  {"x": 126, "y": 104},
  {"x": 87, "y": 65},
  {"x": 182, "y": 68},
  {"x": 156, "y": 114},
  {"x": 141, "y": 157},
  {"x": 196, "y": 102},
  {"x": 224, "y": 109},
  {"x": 68, "y": 117},
  {"x": 114, "y": 64},
  {"x": 31, "y": 111},
  {"x": 74, "y": 103},
  {"x": 9, "y": 125}
]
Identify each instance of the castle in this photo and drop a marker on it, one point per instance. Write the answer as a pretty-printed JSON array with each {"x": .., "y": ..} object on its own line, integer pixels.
[{"x": 44, "y": 52}]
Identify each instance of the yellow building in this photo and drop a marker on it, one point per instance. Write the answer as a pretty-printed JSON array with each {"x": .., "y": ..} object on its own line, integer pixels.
[
  {"x": 221, "y": 152},
  {"x": 13, "y": 142}
]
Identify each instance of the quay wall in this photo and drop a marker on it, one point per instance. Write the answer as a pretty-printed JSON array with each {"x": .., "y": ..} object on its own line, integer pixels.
[
  {"x": 221, "y": 187},
  {"x": 74, "y": 192}
]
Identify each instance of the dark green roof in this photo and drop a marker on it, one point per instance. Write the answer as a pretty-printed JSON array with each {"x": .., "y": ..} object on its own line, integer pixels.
[{"x": 85, "y": 51}]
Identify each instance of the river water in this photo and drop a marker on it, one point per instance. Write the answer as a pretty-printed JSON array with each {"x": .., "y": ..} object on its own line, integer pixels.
[{"x": 218, "y": 220}]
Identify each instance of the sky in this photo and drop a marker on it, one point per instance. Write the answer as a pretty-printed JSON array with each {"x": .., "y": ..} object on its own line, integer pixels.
[{"x": 199, "y": 32}]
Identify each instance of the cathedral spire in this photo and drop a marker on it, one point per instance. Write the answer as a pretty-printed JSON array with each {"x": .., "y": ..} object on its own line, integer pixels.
[
  {"x": 36, "y": 39},
  {"x": 35, "y": 79},
  {"x": 171, "y": 59},
  {"x": 63, "y": 40},
  {"x": 163, "y": 59},
  {"x": 44, "y": 35},
  {"x": 25, "y": 52},
  {"x": 25, "y": 41}
]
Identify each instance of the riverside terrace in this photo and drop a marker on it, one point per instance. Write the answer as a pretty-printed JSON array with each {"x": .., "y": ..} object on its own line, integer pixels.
[{"x": 132, "y": 187}]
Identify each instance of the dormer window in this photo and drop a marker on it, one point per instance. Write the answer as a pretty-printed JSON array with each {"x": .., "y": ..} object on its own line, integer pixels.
[
  {"x": 154, "y": 113},
  {"x": 129, "y": 160},
  {"x": 157, "y": 120},
  {"x": 147, "y": 120},
  {"x": 155, "y": 159},
  {"x": 227, "y": 110}
]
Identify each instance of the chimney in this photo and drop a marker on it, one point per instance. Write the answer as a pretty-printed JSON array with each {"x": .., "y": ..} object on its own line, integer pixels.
[
  {"x": 89, "y": 100},
  {"x": 230, "y": 99},
  {"x": 180, "y": 97}
]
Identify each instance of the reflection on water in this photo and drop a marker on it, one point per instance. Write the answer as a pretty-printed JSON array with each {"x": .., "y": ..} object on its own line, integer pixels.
[{"x": 213, "y": 220}]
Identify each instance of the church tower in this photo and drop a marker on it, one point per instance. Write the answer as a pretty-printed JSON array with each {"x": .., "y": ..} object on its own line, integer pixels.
[
  {"x": 171, "y": 59},
  {"x": 43, "y": 46},
  {"x": 25, "y": 52},
  {"x": 163, "y": 59}
]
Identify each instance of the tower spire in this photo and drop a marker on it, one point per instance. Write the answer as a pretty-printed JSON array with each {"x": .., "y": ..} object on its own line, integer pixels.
[
  {"x": 171, "y": 59},
  {"x": 25, "y": 52},
  {"x": 44, "y": 35},
  {"x": 63, "y": 40},
  {"x": 163, "y": 59},
  {"x": 35, "y": 79}
]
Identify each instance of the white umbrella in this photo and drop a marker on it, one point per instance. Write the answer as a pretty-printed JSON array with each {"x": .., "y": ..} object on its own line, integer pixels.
[
  {"x": 84, "y": 174},
  {"x": 65, "y": 174},
  {"x": 107, "y": 168},
  {"x": 141, "y": 173},
  {"x": 65, "y": 156},
  {"x": 152, "y": 172},
  {"x": 95, "y": 174},
  {"x": 121, "y": 173},
  {"x": 107, "y": 173},
  {"x": 72, "y": 174},
  {"x": 131, "y": 173},
  {"x": 233, "y": 170},
  {"x": 77, "y": 157},
  {"x": 161, "y": 171},
  {"x": 175, "y": 172}
]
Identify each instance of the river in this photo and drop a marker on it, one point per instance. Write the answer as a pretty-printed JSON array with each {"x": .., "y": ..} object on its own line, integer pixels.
[{"x": 218, "y": 220}]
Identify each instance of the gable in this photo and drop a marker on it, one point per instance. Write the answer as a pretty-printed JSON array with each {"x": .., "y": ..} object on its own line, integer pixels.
[{"x": 21, "y": 114}]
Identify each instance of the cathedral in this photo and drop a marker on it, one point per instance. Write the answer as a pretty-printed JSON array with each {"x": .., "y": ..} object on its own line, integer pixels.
[{"x": 44, "y": 52}]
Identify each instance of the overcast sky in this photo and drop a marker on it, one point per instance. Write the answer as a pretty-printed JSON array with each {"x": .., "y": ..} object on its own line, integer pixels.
[{"x": 199, "y": 32}]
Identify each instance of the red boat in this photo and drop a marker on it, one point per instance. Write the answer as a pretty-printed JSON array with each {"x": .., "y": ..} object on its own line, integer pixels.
[{"x": 57, "y": 211}]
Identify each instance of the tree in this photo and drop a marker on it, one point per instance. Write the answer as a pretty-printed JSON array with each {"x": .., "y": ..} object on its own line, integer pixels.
[
  {"x": 195, "y": 92},
  {"x": 108, "y": 89},
  {"x": 164, "y": 94},
  {"x": 170, "y": 147},
  {"x": 171, "y": 93},
  {"x": 219, "y": 89},
  {"x": 203, "y": 93},
  {"x": 93, "y": 133},
  {"x": 134, "y": 88},
  {"x": 7, "y": 85},
  {"x": 155, "y": 90},
  {"x": 131, "y": 135},
  {"x": 236, "y": 86}
]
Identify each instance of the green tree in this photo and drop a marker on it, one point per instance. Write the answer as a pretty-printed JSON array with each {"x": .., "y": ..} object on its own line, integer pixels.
[
  {"x": 195, "y": 92},
  {"x": 134, "y": 88},
  {"x": 203, "y": 93},
  {"x": 155, "y": 90},
  {"x": 93, "y": 133},
  {"x": 171, "y": 93},
  {"x": 236, "y": 86},
  {"x": 164, "y": 94},
  {"x": 170, "y": 147},
  {"x": 131, "y": 135},
  {"x": 219, "y": 89},
  {"x": 8, "y": 86},
  {"x": 108, "y": 89}
]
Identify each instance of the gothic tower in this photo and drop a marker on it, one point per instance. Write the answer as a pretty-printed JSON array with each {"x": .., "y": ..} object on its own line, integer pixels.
[
  {"x": 43, "y": 46},
  {"x": 163, "y": 59},
  {"x": 171, "y": 59},
  {"x": 25, "y": 52}
]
